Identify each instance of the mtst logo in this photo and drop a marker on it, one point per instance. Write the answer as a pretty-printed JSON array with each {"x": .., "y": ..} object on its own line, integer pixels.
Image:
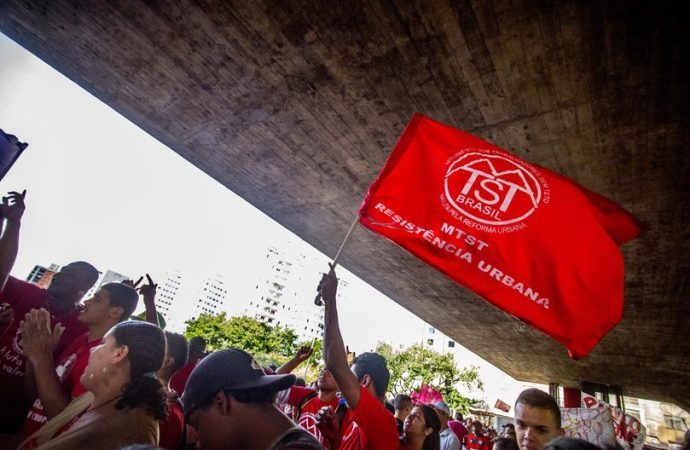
[{"x": 491, "y": 188}]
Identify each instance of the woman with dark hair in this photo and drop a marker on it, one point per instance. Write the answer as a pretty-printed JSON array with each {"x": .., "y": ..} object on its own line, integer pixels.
[
  {"x": 420, "y": 429},
  {"x": 505, "y": 443},
  {"x": 125, "y": 398}
]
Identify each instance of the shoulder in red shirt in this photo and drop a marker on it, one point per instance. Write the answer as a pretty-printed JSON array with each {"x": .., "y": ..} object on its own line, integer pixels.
[
  {"x": 369, "y": 426},
  {"x": 179, "y": 380},
  {"x": 172, "y": 428},
  {"x": 307, "y": 418}
]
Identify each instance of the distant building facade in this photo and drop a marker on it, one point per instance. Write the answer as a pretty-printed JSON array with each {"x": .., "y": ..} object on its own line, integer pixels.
[{"x": 42, "y": 276}]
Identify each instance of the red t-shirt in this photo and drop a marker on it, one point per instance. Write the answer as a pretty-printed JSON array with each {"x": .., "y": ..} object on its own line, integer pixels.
[
  {"x": 179, "y": 380},
  {"x": 307, "y": 418},
  {"x": 172, "y": 428},
  {"x": 71, "y": 365},
  {"x": 23, "y": 297},
  {"x": 369, "y": 426},
  {"x": 476, "y": 442}
]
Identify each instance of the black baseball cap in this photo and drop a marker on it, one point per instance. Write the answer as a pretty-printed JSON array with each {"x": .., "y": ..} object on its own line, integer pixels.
[{"x": 228, "y": 370}]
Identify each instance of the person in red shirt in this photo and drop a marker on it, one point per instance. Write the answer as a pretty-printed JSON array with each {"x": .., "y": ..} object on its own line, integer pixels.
[
  {"x": 197, "y": 350},
  {"x": 67, "y": 287},
  {"x": 308, "y": 401},
  {"x": 57, "y": 385},
  {"x": 476, "y": 439},
  {"x": 172, "y": 429},
  {"x": 367, "y": 425}
]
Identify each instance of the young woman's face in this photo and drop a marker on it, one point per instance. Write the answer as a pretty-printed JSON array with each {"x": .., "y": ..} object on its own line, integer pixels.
[
  {"x": 414, "y": 424},
  {"x": 100, "y": 359}
]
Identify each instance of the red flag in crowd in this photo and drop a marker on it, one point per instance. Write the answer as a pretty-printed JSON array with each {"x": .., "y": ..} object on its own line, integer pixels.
[
  {"x": 503, "y": 406},
  {"x": 526, "y": 239}
]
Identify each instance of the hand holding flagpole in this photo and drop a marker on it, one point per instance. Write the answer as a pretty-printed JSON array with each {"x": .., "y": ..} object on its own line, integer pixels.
[{"x": 317, "y": 300}]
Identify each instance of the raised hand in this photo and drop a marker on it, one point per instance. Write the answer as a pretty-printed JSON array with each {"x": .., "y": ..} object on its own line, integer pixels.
[
  {"x": 328, "y": 286},
  {"x": 132, "y": 284},
  {"x": 304, "y": 353},
  {"x": 328, "y": 424},
  {"x": 148, "y": 291},
  {"x": 38, "y": 339},
  {"x": 13, "y": 206}
]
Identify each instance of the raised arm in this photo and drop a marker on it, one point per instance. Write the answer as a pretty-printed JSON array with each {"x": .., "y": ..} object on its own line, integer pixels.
[
  {"x": 333, "y": 347},
  {"x": 148, "y": 291},
  {"x": 11, "y": 210}
]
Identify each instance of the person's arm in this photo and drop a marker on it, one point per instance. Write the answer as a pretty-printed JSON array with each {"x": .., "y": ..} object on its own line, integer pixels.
[
  {"x": 302, "y": 355},
  {"x": 333, "y": 347},
  {"x": 39, "y": 342},
  {"x": 11, "y": 211},
  {"x": 148, "y": 291}
]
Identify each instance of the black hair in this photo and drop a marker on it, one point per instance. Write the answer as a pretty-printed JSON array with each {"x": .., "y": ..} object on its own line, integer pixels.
[
  {"x": 88, "y": 273},
  {"x": 567, "y": 443},
  {"x": 374, "y": 365},
  {"x": 146, "y": 351},
  {"x": 401, "y": 402},
  {"x": 197, "y": 346},
  {"x": 536, "y": 398},
  {"x": 431, "y": 420},
  {"x": 459, "y": 417},
  {"x": 505, "y": 443},
  {"x": 300, "y": 382},
  {"x": 177, "y": 349},
  {"x": 123, "y": 296}
]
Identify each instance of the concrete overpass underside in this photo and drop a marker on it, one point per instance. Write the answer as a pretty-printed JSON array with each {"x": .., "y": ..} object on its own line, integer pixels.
[{"x": 295, "y": 106}]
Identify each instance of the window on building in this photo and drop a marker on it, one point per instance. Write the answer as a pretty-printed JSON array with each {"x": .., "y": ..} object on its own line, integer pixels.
[
  {"x": 429, "y": 342},
  {"x": 451, "y": 344},
  {"x": 675, "y": 422},
  {"x": 432, "y": 330}
]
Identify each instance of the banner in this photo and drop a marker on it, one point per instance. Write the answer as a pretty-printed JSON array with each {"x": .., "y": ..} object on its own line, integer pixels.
[
  {"x": 529, "y": 241},
  {"x": 593, "y": 425},
  {"x": 629, "y": 432},
  {"x": 10, "y": 150}
]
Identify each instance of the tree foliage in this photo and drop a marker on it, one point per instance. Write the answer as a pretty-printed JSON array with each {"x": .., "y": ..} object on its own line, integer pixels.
[
  {"x": 417, "y": 365},
  {"x": 268, "y": 344}
]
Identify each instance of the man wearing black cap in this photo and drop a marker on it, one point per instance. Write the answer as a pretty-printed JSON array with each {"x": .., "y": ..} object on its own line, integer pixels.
[{"x": 229, "y": 402}]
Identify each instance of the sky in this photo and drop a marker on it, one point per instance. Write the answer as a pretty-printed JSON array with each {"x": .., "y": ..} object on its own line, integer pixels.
[{"x": 102, "y": 190}]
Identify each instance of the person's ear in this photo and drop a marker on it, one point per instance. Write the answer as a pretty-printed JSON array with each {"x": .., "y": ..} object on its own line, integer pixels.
[
  {"x": 222, "y": 402},
  {"x": 116, "y": 312},
  {"x": 561, "y": 432},
  {"x": 428, "y": 431},
  {"x": 366, "y": 380},
  {"x": 120, "y": 354}
]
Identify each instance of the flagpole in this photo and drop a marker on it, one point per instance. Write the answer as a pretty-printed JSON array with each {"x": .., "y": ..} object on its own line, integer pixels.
[{"x": 317, "y": 300}]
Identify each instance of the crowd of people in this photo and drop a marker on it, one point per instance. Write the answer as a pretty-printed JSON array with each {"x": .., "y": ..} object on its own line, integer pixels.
[{"x": 85, "y": 375}]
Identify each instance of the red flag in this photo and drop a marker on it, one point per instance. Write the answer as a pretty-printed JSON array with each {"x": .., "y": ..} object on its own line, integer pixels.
[
  {"x": 528, "y": 240},
  {"x": 503, "y": 406}
]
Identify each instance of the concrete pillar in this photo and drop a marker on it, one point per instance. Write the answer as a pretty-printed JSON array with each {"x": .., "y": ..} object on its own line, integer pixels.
[{"x": 572, "y": 398}]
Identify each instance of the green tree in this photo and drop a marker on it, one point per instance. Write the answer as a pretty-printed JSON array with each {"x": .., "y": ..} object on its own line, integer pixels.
[
  {"x": 268, "y": 344},
  {"x": 417, "y": 365}
]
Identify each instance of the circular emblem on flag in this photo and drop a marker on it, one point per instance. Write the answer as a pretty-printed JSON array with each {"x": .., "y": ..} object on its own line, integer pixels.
[{"x": 491, "y": 187}]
